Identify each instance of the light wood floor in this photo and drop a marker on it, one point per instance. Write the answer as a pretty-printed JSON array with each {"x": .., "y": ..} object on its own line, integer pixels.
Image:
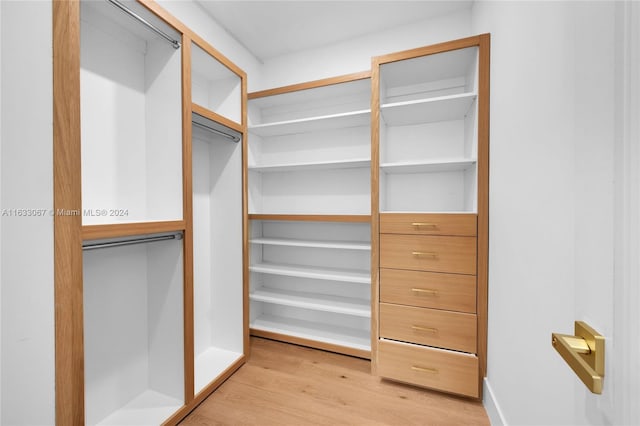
[{"x": 284, "y": 384}]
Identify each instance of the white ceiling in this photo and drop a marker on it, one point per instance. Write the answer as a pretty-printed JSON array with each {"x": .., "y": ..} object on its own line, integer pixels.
[{"x": 271, "y": 28}]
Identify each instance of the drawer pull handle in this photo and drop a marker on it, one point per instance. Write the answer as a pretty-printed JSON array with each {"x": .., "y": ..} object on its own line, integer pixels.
[
  {"x": 425, "y": 291},
  {"x": 424, "y": 369},
  {"x": 424, "y": 254},
  {"x": 428, "y": 329},
  {"x": 424, "y": 224}
]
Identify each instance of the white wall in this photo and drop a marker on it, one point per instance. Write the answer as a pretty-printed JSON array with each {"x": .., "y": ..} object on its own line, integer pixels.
[
  {"x": 199, "y": 21},
  {"x": 551, "y": 198},
  {"x": 27, "y": 354},
  {"x": 355, "y": 55}
]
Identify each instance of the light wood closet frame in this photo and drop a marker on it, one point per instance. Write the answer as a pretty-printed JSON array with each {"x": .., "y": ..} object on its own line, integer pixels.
[
  {"x": 355, "y": 218},
  {"x": 69, "y": 232},
  {"x": 482, "y": 42}
]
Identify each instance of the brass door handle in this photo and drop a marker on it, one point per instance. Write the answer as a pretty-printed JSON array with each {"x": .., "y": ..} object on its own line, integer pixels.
[{"x": 584, "y": 353}]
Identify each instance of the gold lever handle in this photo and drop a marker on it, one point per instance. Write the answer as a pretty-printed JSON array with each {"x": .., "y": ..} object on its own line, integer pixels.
[
  {"x": 425, "y": 291},
  {"x": 424, "y": 224},
  {"x": 420, "y": 328},
  {"x": 424, "y": 254},
  {"x": 424, "y": 369},
  {"x": 584, "y": 353}
]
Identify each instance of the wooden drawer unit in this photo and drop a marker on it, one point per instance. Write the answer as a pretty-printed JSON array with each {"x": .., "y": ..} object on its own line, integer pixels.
[
  {"x": 428, "y": 224},
  {"x": 430, "y": 204},
  {"x": 443, "y": 329},
  {"x": 428, "y": 253},
  {"x": 440, "y": 369},
  {"x": 452, "y": 292}
]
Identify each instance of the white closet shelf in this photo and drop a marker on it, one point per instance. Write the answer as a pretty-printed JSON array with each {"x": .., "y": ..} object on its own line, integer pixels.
[
  {"x": 428, "y": 211},
  {"x": 150, "y": 407},
  {"x": 313, "y": 124},
  {"x": 445, "y": 165},
  {"x": 358, "y": 163},
  {"x": 314, "y": 301},
  {"x": 330, "y": 274},
  {"x": 327, "y": 333},
  {"x": 212, "y": 362},
  {"x": 290, "y": 242},
  {"x": 442, "y": 108}
]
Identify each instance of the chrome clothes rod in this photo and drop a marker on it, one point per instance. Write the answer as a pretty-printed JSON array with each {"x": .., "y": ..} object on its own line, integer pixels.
[
  {"x": 216, "y": 131},
  {"x": 134, "y": 15},
  {"x": 130, "y": 241}
]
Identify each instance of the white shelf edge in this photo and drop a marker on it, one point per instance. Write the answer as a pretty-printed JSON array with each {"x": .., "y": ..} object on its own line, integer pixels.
[
  {"x": 344, "y": 275},
  {"x": 430, "y": 211},
  {"x": 343, "y": 245},
  {"x": 428, "y": 166},
  {"x": 314, "y": 301},
  {"x": 290, "y": 212},
  {"x": 334, "y": 335},
  {"x": 309, "y": 119},
  {"x": 149, "y": 407},
  {"x": 210, "y": 363},
  {"x": 318, "y": 165},
  {"x": 429, "y": 100}
]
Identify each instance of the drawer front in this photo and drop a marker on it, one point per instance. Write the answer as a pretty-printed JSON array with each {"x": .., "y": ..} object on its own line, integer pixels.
[
  {"x": 433, "y": 368},
  {"x": 428, "y": 253},
  {"x": 428, "y": 290},
  {"x": 429, "y": 224},
  {"x": 443, "y": 329}
]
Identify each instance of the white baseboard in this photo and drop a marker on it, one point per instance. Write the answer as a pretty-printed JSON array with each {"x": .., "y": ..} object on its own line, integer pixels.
[{"x": 492, "y": 407}]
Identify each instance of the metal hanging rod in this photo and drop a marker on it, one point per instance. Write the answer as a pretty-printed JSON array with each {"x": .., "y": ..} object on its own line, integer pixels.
[
  {"x": 216, "y": 131},
  {"x": 130, "y": 241},
  {"x": 134, "y": 15}
]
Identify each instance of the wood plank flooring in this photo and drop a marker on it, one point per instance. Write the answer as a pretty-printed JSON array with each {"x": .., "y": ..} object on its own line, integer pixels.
[{"x": 284, "y": 384}]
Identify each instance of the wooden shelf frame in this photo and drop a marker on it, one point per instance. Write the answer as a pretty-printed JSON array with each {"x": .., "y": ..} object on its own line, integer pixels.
[
  {"x": 195, "y": 397},
  {"x": 346, "y": 116},
  {"x": 69, "y": 232},
  {"x": 310, "y": 84},
  {"x": 482, "y": 42}
]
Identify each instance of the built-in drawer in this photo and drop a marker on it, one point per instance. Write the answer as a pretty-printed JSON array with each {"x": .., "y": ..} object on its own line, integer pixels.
[
  {"x": 429, "y": 224},
  {"x": 440, "y": 369},
  {"x": 453, "y": 292},
  {"x": 428, "y": 253},
  {"x": 433, "y": 327}
]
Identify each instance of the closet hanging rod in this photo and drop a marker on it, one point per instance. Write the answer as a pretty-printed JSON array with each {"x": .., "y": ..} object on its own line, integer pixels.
[
  {"x": 130, "y": 241},
  {"x": 134, "y": 15},
  {"x": 216, "y": 131}
]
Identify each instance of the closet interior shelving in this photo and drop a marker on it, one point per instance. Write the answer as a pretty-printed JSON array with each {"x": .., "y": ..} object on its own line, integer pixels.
[
  {"x": 309, "y": 203},
  {"x": 428, "y": 128},
  {"x": 217, "y": 216},
  {"x": 150, "y": 283},
  {"x": 191, "y": 214},
  {"x": 430, "y": 203},
  {"x": 130, "y": 79}
]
